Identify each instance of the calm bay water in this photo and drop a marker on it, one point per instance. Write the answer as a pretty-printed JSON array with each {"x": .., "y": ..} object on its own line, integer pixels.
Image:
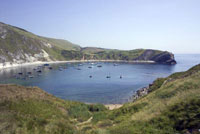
[{"x": 68, "y": 82}]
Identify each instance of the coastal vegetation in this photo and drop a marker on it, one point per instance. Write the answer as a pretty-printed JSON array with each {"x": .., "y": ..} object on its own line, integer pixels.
[{"x": 172, "y": 105}]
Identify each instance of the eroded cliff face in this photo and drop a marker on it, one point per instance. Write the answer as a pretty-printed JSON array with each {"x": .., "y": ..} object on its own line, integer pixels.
[
  {"x": 158, "y": 56},
  {"x": 165, "y": 57},
  {"x": 16, "y": 46}
]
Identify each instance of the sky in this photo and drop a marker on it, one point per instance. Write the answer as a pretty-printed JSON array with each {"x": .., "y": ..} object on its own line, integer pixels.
[{"x": 171, "y": 25}]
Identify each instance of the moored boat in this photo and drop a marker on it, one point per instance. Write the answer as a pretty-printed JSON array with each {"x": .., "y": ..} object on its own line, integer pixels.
[
  {"x": 30, "y": 76},
  {"x": 39, "y": 71},
  {"x": 99, "y": 66},
  {"x": 46, "y": 64},
  {"x": 108, "y": 76},
  {"x": 29, "y": 72}
]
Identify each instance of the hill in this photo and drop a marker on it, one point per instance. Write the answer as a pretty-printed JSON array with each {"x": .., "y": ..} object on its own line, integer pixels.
[
  {"x": 171, "y": 106},
  {"x": 19, "y": 46},
  {"x": 31, "y": 110}
]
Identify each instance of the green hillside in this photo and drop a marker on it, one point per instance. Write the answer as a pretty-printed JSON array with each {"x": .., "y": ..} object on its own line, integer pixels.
[
  {"x": 171, "y": 107},
  {"x": 31, "y": 110},
  {"x": 62, "y": 44},
  {"x": 20, "y": 46}
]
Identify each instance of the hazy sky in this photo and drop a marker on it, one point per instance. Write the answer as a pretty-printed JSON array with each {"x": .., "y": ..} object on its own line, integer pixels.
[{"x": 172, "y": 25}]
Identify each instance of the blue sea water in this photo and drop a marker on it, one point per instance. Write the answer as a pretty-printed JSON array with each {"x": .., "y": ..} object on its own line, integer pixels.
[{"x": 68, "y": 82}]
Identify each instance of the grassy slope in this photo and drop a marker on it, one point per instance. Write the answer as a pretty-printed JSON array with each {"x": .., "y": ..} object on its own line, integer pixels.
[
  {"x": 172, "y": 106},
  {"x": 31, "y": 110},
  {"x": 62, "y": 44}
]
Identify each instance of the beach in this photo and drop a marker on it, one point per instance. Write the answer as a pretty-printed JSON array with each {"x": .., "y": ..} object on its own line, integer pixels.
[
  {"x": 113, "y": 106},
  {"x": 13, "y": 65}
]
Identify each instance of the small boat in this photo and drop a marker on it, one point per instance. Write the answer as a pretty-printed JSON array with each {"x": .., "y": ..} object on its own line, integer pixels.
[
  {"x": 78, "y": 69},
  {"x": 108, "y": 76},
  {"x": 80, "y": 64},
  {"x": 20, "y": 73},
  {"x": 60, "y": 68},
  {"x": 39, "y": 71},
  {"x": 29, "y": 72},
  {"x": 90, "y": 76},
  {"x": 46, "y": 64},
  {"x": 89, "y": 67},
  {"x": 115, "y": 64},
  {"x": 30, "y": 76},
  {"x": 120, "y": 77},
  {"x": 99, "y": 66},
  {"x": 50, "y": 68},
  {"x": 92, "y": 63}
]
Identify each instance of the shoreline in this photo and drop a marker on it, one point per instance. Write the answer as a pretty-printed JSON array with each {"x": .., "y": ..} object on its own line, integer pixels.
[
  {"x": 109, "y": 106},
  {"x": 13, "y": 65},
  {"x": 134, "y": 95}
]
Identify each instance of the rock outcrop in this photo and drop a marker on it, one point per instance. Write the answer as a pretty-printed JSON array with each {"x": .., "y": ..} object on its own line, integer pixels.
[
  {"x": 157, "y": 56},
  {"x": 140, "y": 93}
]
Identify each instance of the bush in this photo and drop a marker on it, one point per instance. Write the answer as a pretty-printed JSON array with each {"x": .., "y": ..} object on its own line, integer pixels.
[
  {"x": 96, "y": 107},
  {"x": 80, "y": 111}
]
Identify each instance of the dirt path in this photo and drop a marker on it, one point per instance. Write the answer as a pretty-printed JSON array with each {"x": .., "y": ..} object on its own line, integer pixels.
[{"x": 85, "y": 122}]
